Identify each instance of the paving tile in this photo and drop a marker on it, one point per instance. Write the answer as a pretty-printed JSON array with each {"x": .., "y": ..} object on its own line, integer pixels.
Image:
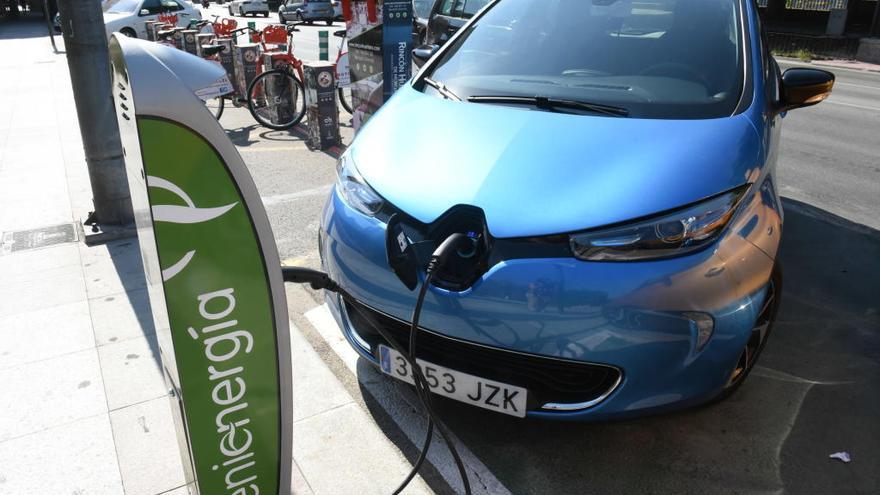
[
  {"x": 77, "y": 458},
  {"x": 300, "y": 485},
  {"x": 146, "y": 444},
  {"x": 20, "y": 293},
  {"x": 22, "y": 265},
  {"x": 319, "y": 440},
  {"x": 121, "y": 316},
  {"x": 181, "y": 490},
  {"x": 50, "y": 393},
  {"x": 132, "y": 372},
  {"x": 315, "y": 388},
  {"x": 45, "y": 333},
  {"x": 115, "y": 274}
]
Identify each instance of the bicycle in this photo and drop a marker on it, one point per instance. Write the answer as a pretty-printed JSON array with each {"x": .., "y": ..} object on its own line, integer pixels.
[
  {"x": 343, "y": 76},
  {"x": 276, "y": 97}
]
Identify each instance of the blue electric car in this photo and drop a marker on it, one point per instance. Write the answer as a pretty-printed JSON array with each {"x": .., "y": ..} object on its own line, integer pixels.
[{"x": 612, "y": 163}]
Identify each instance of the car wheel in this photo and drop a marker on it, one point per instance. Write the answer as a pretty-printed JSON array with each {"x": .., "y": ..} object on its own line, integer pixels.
[
  {"x": 265, "y": 14},
  {"x": 230, "y": 11},
  {"x": 281, "y": 18},
  {"x": 129, "y": 32},
  {"x": 329, "y": 23},
  {"x": 758, "y": 338}
]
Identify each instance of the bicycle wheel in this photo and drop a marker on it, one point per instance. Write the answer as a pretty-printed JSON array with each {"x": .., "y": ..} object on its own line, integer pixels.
[
  {"x": 276, "y": 99},
  {"x": 215, "y": 106},
  {"x": 345, "y": 98}
]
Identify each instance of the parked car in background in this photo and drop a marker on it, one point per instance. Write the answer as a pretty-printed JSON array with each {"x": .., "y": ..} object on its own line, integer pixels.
[
  {"x": 337, "y": 9},
  {"x": 307, "y": 11},
  {"x": 249, "y": 7},
  {"x": 618, "y": 230},
  {"x": 445, "y": 17},
  {"x": 130, "y": 16},
  {"x": 421, "y": 14}
]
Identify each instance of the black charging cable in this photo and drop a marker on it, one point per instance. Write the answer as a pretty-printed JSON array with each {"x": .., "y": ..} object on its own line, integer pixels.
[{"x": 320, "y": 280}]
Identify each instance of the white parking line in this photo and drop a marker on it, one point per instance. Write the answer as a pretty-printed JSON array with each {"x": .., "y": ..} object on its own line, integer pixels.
[
  {"x": 283, "y": 198},
  {"x": 402, "y": 405},
  {"x": 853, "y": 105}
]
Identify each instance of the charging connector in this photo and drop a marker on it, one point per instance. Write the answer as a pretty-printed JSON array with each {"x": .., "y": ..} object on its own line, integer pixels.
[{"x": 454, "y": 243}]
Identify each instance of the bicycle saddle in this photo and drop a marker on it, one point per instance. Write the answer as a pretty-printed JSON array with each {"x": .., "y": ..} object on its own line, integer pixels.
[
  {"x": 340, "y": 33},
  {"x": 209, "y": 50}
]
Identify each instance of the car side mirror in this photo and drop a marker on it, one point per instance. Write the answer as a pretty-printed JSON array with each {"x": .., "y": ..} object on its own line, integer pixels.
[
  {"x": 804, "y": 88},
  {"x": 144, "y": 12},
  {"x": 422, "y": 53}
]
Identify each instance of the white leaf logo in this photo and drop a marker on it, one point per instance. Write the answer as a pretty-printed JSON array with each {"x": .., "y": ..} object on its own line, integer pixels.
[{"x": 181, "y": 214}]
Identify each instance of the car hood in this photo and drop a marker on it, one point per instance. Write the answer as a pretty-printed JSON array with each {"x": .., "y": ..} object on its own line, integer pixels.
[{"x": 537, "y": 173}]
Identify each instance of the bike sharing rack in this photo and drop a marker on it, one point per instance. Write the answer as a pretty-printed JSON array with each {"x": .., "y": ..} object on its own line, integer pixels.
[
  {"x": 212, "y": 273},
  {"x": 379, "y": 50}
]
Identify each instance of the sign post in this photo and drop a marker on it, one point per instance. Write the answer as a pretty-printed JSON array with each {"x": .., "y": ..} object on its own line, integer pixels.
[
  {"x": 212, "y": 270},
  {"x": 380, "y": 52}
]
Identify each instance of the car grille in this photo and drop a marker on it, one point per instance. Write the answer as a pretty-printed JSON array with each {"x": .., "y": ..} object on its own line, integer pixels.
[{"x": 548, "y": 380}]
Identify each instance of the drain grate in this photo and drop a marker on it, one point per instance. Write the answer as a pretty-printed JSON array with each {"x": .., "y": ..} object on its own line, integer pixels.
[{"x": 37, "y": 238}]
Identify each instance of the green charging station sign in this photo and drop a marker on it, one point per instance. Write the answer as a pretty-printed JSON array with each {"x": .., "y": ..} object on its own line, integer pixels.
[
  {"x": 220, "y": 314},
  {"x": 213, "y": 274}
]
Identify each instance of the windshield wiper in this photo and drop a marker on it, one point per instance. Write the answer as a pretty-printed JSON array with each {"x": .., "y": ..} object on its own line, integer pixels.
[
  {"x": 442, "y": 89},
  {"x": 552, "y": 104}
]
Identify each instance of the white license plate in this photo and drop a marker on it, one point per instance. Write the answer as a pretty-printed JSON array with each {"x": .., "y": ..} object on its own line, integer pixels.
[{"x": 470, "y": 389}]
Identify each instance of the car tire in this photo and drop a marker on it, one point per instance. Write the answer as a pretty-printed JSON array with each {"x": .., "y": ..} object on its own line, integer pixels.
[
  {"x": 230, "y": 11},
  {"x": 266, "y": 14},
  {"x": 752, "y": 351},
  {"x": 129, "y": 32},
  {"x": 329, "y": 23},
  {"x": 281, "y": 18}
]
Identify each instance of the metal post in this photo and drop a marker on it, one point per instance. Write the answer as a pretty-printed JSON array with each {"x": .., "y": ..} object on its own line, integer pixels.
[
  {"x": 324, "y": 45},
  {"x": 875, "y": 23},
  {"x": 48, "y": 14},
  {"x": 88, "y": 61}
]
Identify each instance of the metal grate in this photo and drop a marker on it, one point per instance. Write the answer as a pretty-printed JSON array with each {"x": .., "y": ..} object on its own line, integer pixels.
[
  {"x": 820, "y": 5},
  {"x": 23, "y": 240}
]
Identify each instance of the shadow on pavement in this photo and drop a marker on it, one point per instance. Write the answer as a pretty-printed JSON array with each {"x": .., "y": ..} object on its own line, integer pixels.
[
  {"x": 126, "y": 257},
  {"x": 26, "y": 25},
  {"x": 816, "y": 392}
]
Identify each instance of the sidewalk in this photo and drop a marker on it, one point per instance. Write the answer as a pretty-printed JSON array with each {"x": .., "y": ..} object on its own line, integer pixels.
[{"x": 85, "y": 409}]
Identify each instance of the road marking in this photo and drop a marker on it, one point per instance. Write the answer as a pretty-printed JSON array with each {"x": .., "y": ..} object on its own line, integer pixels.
[
  {"x": 401, "y": 404},
  {"x": 298, "y": 145},
  {"x": 283, "y": 198},
  {"x": 295, "y": 261},
  {"x": 838, "y": 83},
  {"x": 863, "y": 107}
]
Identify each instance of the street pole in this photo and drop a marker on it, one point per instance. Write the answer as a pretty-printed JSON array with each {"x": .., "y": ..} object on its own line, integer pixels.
[
  {"x": 88, "y": 60},
  {"x": 875, "y": 23}
]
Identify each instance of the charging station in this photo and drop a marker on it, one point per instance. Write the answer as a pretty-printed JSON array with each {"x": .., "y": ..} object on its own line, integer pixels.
[
  {"x": 380, "y": 52},
  {"x": 212, "y": 273}
]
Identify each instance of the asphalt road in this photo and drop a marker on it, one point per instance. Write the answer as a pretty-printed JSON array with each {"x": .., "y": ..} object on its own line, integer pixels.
[{"x": 815, "y": 392}]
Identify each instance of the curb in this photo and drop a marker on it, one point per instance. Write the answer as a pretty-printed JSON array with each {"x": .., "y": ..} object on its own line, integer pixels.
[{"x": 820, "y": 63}]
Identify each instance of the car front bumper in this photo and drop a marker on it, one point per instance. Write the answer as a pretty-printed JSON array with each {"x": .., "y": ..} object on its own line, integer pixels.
[{"x": 633, "y": 317}]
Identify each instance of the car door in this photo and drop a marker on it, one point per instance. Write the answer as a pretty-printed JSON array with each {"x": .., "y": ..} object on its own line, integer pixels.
[{"x": 148, "y": 11}]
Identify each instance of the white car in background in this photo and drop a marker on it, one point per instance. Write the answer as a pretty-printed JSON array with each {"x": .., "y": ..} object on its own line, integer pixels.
[
  {"x": 130, "y": 16},
  {"x": 252, "y": 7}
]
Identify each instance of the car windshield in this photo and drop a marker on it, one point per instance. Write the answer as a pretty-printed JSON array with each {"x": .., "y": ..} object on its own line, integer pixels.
[
  {"x": 668, "y": 59},
  {"x": 121, "y": 6}
]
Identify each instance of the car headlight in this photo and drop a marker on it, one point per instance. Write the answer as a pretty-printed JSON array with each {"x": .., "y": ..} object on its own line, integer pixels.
[
  {"x": 671, "y": 234},
  {"x": 354, "y": 189}
]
